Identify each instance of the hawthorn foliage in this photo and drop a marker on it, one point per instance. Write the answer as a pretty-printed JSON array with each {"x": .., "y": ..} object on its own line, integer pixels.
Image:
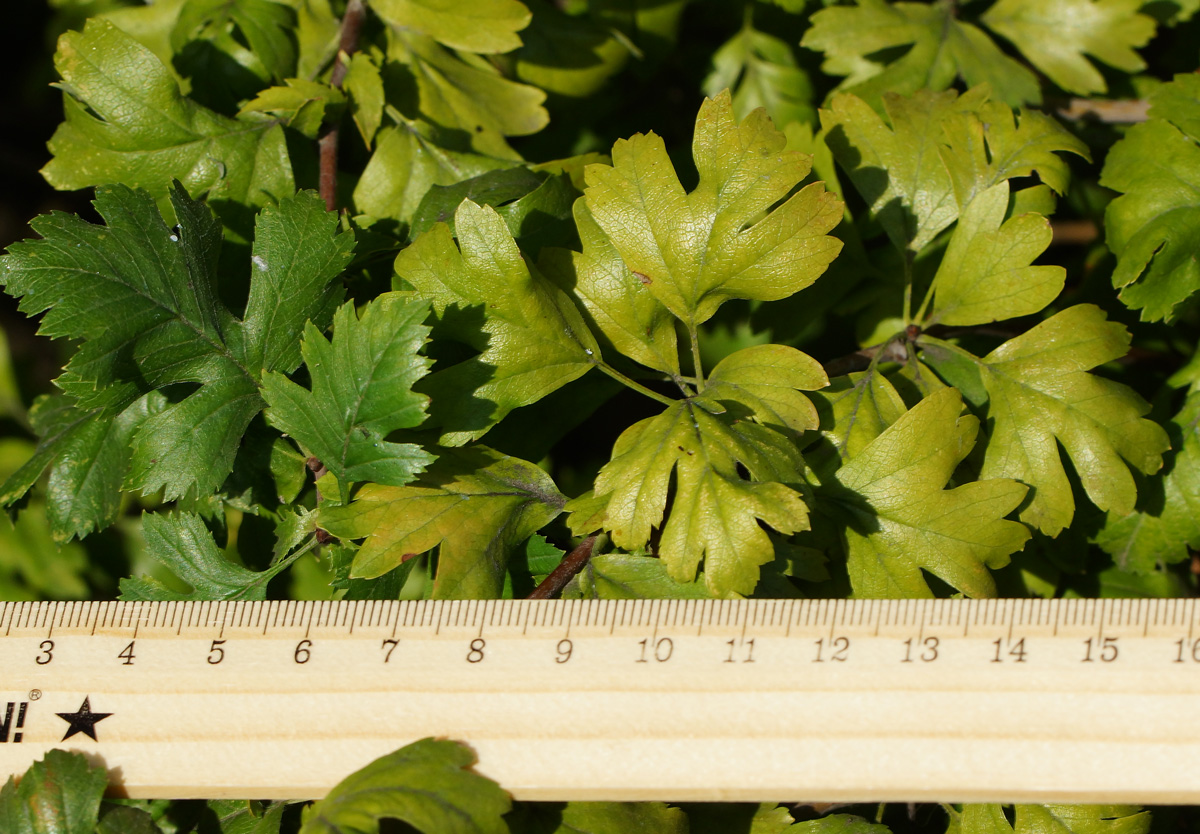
[{"x": 406, "y": 298}]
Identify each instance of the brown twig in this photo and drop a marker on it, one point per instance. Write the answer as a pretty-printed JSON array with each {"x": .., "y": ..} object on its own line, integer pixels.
[
  {"x": 571, "y": 564},
  {"x": 1074, "y": 232},
  {"x": 352, "y": 23},
  {"x": 1108, "y": 111},
  {"x": 860, "y": 360}
]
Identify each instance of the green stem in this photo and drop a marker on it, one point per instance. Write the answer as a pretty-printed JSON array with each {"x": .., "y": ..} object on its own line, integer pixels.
[
  {"x": 699, "y": 368},
  {"x": 908, "y": 282},
  {"x": 636, "y": 386},
  {"x": 280, "y": 566}
]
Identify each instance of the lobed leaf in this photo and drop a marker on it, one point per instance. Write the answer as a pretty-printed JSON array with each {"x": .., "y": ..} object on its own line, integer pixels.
[
  {"x": 986, "y": 274},
  {"x": 900, "y": 519},
  {"x": 84, "y": 491},
  {"x": 1039, "y": 392},
  {"x": 361, "y": 391},
  {"x": 182, "y": 543},
  {"x": 938, "y": 153},
  {"x": 619, "y": 304},
  {"x": 1166, "y": 522},
  {"x": 472, "y": 25},
  {"x": 571, "y": 55},
  {"x": 696, "y": 250},
  {"x": 475, "y": 505},
  {"x": 530, "y": 337},
  {"x": 407, "y": 162},
  {"x": 127, "y": 122},
  {"x": 467, "y": 94},
  {"x": 1152, "y": 226},
  {"x": 761, "y": 71},
  {"x": 1081, "y": 819},
  {"x": 628, "y": 576},
  {"x": 1056, "y": 36},
  {"x": 715, "y": 510},
  {"x": 767, "y": 380},
  {"x": 143, "y": 298},
  {"x": 940, "y": 48},
  {"x": 428, "y": 784},
  {"x": 300, "y": 104}
]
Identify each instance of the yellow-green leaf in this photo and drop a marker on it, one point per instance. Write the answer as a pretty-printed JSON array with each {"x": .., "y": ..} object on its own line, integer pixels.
[{"x": 696, "y": 250}]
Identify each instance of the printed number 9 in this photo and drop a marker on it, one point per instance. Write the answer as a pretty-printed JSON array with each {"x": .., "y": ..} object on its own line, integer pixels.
[{"x": 565, "y": 647}]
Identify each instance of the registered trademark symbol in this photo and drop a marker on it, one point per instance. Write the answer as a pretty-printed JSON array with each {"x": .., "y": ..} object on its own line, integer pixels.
[{"x": 34, "y": 694}]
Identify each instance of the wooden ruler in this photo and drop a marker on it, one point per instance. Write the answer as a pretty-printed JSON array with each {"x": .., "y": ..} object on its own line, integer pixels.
[{"x": 788, "y": 700}]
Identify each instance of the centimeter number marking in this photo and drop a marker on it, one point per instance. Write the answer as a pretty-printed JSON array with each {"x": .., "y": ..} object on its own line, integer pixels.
[
  {"x": 1109, "y": 619},
  {"x": 751, "y": 700}
]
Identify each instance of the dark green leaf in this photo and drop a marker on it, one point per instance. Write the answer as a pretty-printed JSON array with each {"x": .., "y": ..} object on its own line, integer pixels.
[
  {"x": 361, "y": 391},
  {"x": 427, "y": 784},
  {"x": 182, "y": 543},
  {"x": 58, "y": 795}
]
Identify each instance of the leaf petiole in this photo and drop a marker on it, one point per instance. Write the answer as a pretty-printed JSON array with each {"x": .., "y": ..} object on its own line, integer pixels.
[{"x": 636, "y": 386}]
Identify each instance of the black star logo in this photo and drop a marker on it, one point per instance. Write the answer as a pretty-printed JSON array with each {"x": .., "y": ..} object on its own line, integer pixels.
[{"x": 83, "y": 721}]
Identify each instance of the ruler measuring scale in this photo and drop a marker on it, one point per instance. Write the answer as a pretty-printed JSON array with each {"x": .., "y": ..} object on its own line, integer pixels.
[{"x": 880, "y": 700}]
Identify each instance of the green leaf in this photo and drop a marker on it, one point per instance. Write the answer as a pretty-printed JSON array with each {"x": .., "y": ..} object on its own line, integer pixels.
[
  {"x": 1154, "y": 226},
  {"x": 427, "y": 784},
  {"x": 939, "y": 152},
  {"x": 1040, "y": 391},
  {"x": 127, "y": 122},
  {"x": 761, "y": 70},
  {"x": 616, "y": 302},
  {"x": 696, "y": 250},
  {"x": 986, "y": 274},
  {"x": 182, "y": 543},
  {"x": 989, "y": 143},
  {"x": 169, "y": 329},
  {"x": 125, "y": 819},
  {"x": 837, "y": 824},
  {"x": 628, "y": 576},
  {"x": 476, "y": 505},
  {"x": 192, "y": 444},
  {"x": 900, "y": 519},
  {"x": 767, "y": 380},
  {"x": 1056, "y": 36},
  {"x": 853, "y": 410},
  {"x": 241, "y": 817},
  {"x": 84, "y": 492},
  {"x": 621, "y": 818},
  {"x": 264, "y": 25},
  {"x": 530, "y": 337},
  {"x": 364, "y": 87},
  {"x": 493, "y": 188},
  {"x": 471, "y": 25},
  {"x": 1166, "y": 522},
  {"x": 299, "y": 253},
  {"x": 59, "y": 794},
  {"x": 979, "y": 819},
  {"x": 1082, "y": 819},
  {"x": 570, "y": 55},
  {"x": 406, "y": 164},
  {"x": 143, "y": 299},
  {"x": 898, "y": 169},
  {"x": 715, "y": 511},
  {"x": 769, "y": 818},
  {"x": 938, "y": 48},
  {"x": 466, "y": 93},
  {"x": 361, "y": 391},
  {"x": 301, "y": 104}
]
